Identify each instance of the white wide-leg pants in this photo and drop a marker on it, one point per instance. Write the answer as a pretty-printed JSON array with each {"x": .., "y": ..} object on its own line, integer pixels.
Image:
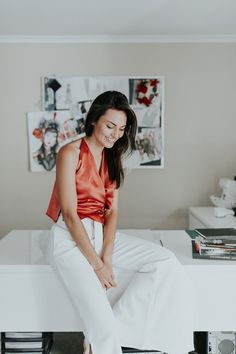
[{"x": 155, "y": 311}]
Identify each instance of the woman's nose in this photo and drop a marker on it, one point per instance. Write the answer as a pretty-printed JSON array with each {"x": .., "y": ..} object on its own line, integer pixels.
[{"x": 115, "y": 133}]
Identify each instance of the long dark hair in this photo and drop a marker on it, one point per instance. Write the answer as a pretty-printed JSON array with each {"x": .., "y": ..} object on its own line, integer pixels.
[{"x": 124, "y": 145}]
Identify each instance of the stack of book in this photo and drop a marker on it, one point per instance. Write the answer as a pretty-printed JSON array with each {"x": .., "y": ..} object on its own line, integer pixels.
[
  {"x": 26, "y": 342},
  {"x": 215, "y": 243}
]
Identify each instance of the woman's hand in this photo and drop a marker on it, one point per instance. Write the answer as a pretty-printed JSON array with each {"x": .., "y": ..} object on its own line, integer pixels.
[{"x": 105, "y": 274}]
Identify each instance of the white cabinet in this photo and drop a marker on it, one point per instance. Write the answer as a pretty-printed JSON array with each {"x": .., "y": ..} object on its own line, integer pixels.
[{"x": 204, "y": 217}]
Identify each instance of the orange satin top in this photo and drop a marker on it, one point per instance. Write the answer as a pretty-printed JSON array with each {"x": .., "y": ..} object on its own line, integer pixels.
[{"x": 95, "y": 192}]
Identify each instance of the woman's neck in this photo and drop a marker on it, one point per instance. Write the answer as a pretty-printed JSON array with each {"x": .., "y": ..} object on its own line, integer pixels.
[{"x": 95, "y": 147}]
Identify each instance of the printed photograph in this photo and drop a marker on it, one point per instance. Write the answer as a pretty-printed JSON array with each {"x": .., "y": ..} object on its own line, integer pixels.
[
  {"x": 149, "y": 150},
  {"x": 47, "y": 132},
  {"x": 145, "y": 94}
]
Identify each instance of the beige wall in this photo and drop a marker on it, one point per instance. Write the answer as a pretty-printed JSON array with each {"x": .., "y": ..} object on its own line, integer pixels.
[{"x": 200, "y": 126}]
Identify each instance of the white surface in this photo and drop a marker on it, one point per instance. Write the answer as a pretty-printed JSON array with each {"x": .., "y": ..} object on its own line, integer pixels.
[
  {"x": 205, "y": 217},
  {"x": 223, "y": 212},
  {"x": 32, "y": 299},
  {"x": 214, "y": 283},
  {"x": 215, "y": 280},
  {"x": 204, "y": 18}
]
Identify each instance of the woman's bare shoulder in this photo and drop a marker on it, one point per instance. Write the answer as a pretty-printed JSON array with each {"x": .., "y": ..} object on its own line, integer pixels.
[{"x": 71, "y": 149}]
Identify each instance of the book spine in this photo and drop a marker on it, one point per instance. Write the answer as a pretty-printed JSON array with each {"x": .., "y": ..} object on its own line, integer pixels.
[
  {"x": 217, "y": 257},
  {"x": 223, "y": 242},
  {"x": 217, "y": 252},
  {"x": 217, "y": 247}
]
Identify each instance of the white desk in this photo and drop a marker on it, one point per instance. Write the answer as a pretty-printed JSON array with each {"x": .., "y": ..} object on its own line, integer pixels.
[
  {"x": 203, "y": 217},
  {"x": 32, "y": 298}
]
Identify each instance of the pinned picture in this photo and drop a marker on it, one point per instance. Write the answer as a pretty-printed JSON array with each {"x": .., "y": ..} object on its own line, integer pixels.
[
  {"x": 146, "y": 99},
  {"x": 47, "y": 132},
  {"x": 148, "y": 148},
  {"x": 145, "y": 94}
]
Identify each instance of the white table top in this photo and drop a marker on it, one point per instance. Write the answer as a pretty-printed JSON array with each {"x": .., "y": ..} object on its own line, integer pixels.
[
  {"x": 179, "y": 242},
  {"x": 26, "y": 250},
  {"x": 206, "y": 216},
  {"x": 29, "y": 284}
]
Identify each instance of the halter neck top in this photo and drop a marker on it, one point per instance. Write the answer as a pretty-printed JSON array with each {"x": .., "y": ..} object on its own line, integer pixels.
[{"x": 95, "y": 192}]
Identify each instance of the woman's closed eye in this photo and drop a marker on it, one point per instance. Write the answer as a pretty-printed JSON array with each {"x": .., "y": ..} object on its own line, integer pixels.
[{"x": 121, "y": 129}]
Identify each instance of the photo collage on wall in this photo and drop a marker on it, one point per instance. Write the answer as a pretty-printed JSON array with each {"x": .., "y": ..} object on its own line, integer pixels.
[{"x": 66, "y": 101}]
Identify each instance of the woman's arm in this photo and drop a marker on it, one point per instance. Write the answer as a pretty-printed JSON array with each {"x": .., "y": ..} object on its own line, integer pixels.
[
  {"x": 110, "y": 228},
  {"x": 109, "y": 231},
  {"x": 67, "y": 160}
]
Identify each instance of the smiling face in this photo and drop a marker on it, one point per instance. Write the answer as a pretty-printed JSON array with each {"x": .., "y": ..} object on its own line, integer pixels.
[{"x": 110, "y": 127}]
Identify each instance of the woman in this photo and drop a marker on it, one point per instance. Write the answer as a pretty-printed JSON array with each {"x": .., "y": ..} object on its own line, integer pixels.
[{"x": 87, "y": 251}]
